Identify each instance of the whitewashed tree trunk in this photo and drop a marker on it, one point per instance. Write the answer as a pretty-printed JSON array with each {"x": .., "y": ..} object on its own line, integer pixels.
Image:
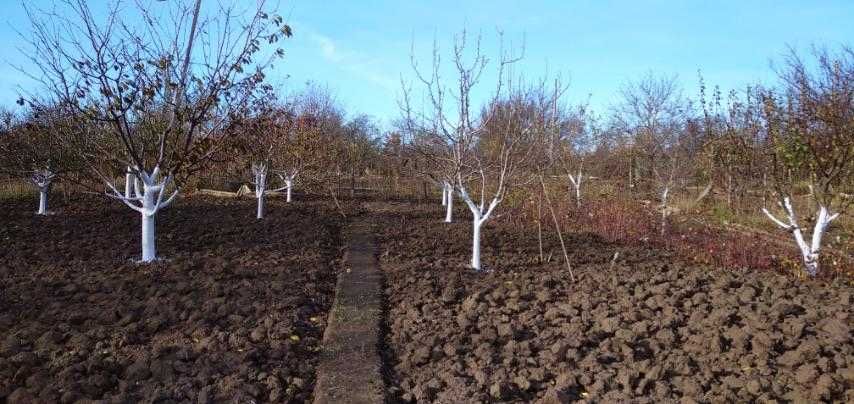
[
  {"x": 475, "y": 247},
  {"x": 449, "y": 203},
  {"x": 149, "y": 245},
  {"x": 288, "y": 178},
  {"x": 42, "y": 201},
  {"x": 260, "y": 210},
  {"x": 43, "y": 179},
  {"x": 128, "y": 183},
  {"x": 259, "y": 170},
  {"x": 480, "y": 214},
  {"x": 147, "y": 199},
  {"x": 810, "y": 252},
  {"x": 576, "y": 181}
]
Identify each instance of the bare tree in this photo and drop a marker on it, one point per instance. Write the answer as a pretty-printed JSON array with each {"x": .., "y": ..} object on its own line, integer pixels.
[
  {"x": 652, "y": 115},
  {"x": 431, "y": 148},
  {"x": 809, "y": 125},
  {"x": 577, "y": 133},
  {"x": 163, "y": 89},
  {"x": 267, "y": 130},
  {"x": 36, "y": 145},
  {"x": 483, "y": 151},
  {"x": 556, "y": 133}
]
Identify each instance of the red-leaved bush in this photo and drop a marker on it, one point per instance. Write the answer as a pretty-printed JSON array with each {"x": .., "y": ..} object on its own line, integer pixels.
[{"x": 626, "y": 221}]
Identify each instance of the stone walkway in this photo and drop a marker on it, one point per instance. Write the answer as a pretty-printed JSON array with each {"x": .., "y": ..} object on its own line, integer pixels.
[{"x": 350, "y": 364}]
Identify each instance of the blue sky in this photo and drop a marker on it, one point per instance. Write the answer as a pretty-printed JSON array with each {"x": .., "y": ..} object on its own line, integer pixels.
[{"x": 360, "y": 49}]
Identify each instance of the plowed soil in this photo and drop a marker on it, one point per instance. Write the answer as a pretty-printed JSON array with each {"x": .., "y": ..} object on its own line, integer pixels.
[
  {"x": 234, "y": 313},
  {"x": 643, "y": 329}
]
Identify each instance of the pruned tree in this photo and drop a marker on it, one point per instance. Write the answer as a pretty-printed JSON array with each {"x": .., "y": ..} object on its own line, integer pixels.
[
  {"x": 430, "y": 147},
  {"x": 652, "y": 115},
  {"x": 302, "y": 151},
  {"x": 555, "y": 141},
  {"x": 577, "y": 133},
  {"x": 809, "y": 124},
  {"x": 163, "y": 89},
  {"x": 36, "y": 145},
  {"x": 266, "y": 128},
  {"x": 432, "y": 150},
  {"x": 482, "y": 157}
]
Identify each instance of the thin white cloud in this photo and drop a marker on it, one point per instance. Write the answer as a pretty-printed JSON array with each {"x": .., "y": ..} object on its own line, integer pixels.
[
  {"x": 354, "y": 62},
  {"x": 327, "y": 47}
]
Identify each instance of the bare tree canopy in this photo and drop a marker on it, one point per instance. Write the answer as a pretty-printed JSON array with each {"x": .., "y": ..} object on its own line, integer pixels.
[{"x": 160, "y": 91}]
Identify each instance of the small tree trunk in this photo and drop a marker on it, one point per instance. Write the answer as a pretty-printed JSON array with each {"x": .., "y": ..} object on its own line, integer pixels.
[
  {"x": 149, "y": 246},
  {"x": 128, "y": 184},
  {"x": 260, "y": 213},
  {"x": 576, "y": 185},
  {"x": 475, "y": 247},
  {"x": 259, "y": 170},
  {"x": 147, "y": 201},
  {"x": 43, "y": 200},
  {"x": 557, "y": 227},
  {"x": 480, "y": 214},
  {"x": 449, "y": 206},
  {"x": 809, "y": 251},
  {"x": 43, "y": 179},
  {"x": 290, "y": 185},
  {"x": 704, "y": 193}
]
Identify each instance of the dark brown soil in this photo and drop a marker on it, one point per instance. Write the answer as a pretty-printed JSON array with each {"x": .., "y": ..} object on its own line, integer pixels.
[
  {"x": 647, "y": 329},
  {"x": 235, "y": 313}
]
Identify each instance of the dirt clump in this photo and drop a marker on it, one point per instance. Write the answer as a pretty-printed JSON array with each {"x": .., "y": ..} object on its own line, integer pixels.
[
  {"x": 235, "y": 312},
  {"x": 647, "y": 329}
]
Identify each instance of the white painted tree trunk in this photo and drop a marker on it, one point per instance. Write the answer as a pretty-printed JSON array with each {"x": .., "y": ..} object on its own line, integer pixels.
[
  {"x": 42, "y": 200},
  {"x": 480, "y": 214},
  {"x": 288, "y": 179},
  {"x": 149, "y": 244},
  {"x": 810, "y": 252},
  {"x": 475, "y": 243},
  {"x": 260, "y": 172},
  {"x": 576, "y": 181},
  {"x": 43, "y": 179},
  {"x": 449, "y": 204},
  {"x": 148, "y": 191},
  {"x": 260, "y": 210},
  {"x": 128, "y": 183}
]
